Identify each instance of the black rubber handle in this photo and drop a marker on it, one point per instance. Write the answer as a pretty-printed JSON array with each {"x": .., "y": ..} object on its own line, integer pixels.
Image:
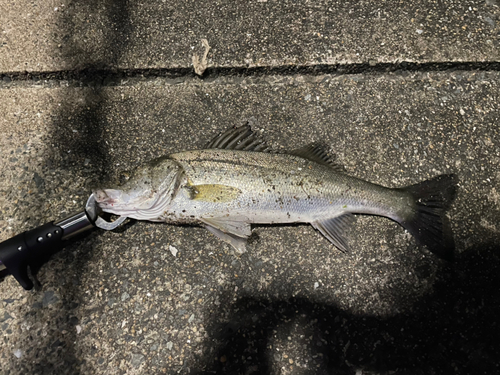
[{"x": 32, "y": 248}]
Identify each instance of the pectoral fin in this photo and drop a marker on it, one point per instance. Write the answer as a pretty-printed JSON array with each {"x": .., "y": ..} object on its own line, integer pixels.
[{"x": 333, "y": 229}]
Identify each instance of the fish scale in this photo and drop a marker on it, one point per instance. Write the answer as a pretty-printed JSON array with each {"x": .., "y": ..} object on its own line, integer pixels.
[
  {"x": 283, "y": 188},
  {"x": 228, "y": 189}
]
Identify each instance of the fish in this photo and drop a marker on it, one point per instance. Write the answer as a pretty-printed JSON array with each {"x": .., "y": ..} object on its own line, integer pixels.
[{"x": 237, "y": 181}]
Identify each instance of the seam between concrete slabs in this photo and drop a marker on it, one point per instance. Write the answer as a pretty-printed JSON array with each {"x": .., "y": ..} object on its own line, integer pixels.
[
  {"x": 103, "y": 77},
  {"x": 271, "y": 79}
]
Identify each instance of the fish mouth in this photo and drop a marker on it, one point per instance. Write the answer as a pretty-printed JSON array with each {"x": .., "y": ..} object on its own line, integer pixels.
[
  {"x": 141, "y": 207},
  {"x": 121, "y": 203}
]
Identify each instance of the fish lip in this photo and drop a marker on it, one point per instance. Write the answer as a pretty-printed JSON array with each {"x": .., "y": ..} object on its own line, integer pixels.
[{"x": 101, "y": 197}]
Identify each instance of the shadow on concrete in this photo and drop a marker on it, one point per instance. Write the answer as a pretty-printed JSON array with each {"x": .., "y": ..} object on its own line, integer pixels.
[
  {"x": 76, "y": 140},
  {"x": 454, "y": 330},
  {"x": 80, "y": 125}
]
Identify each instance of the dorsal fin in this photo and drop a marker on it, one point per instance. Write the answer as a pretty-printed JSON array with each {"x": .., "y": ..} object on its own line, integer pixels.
[
  {"x": 239, "y": 138},
  {"x": 317, "y": 153}
]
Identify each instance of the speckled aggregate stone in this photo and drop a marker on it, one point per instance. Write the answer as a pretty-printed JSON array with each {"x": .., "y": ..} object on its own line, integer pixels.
[
  {"x": 53, "y": 35},
  {"x": 122, "y": 302}
]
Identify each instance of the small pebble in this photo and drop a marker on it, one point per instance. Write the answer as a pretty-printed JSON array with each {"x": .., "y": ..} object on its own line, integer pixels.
[{"x": 173, "y": 250}]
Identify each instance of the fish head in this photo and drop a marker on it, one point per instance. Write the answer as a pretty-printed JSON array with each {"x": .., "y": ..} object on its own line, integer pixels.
[{"x": 145, "y": 194}]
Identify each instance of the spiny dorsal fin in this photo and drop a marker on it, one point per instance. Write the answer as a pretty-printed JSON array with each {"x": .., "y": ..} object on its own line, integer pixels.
[
  {"x": 239, "y": 138},
  {"x": 317, "y": 153}
]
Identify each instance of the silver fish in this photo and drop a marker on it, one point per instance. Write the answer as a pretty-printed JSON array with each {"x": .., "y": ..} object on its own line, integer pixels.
[{"x": 236, "y": 181}]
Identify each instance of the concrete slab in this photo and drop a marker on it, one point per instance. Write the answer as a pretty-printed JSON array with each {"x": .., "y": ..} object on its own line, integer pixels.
[
  {"x": 55, "y": 35},
  {"x": 123, "y": 303}
]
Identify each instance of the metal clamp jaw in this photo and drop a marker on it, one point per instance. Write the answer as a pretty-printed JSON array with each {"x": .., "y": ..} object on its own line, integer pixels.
[{"x": 80, "y": 222}]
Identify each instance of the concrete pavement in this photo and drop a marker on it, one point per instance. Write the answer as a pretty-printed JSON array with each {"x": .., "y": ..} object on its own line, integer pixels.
[
  {"x": 122, "y": 302},
  {"x": 56, "y": 35}
]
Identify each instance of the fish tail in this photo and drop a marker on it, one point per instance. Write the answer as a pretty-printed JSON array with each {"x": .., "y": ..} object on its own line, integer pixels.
[{"x": 428, "y": 223}]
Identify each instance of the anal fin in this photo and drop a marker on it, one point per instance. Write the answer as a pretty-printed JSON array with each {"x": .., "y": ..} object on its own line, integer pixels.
[{"x": 334, "y": 229}]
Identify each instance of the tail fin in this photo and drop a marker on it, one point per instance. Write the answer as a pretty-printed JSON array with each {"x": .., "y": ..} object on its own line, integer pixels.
[{"x": 429, "y": 225}]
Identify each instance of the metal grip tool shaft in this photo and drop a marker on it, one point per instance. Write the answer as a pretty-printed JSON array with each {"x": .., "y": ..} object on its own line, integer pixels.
[{"x": 34, "y": 247}]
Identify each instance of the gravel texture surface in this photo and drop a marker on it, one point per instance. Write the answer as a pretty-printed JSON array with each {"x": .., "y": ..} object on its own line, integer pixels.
[
  {"x": 54, "y": 35},
  {"x": 122, "y": 302}
]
